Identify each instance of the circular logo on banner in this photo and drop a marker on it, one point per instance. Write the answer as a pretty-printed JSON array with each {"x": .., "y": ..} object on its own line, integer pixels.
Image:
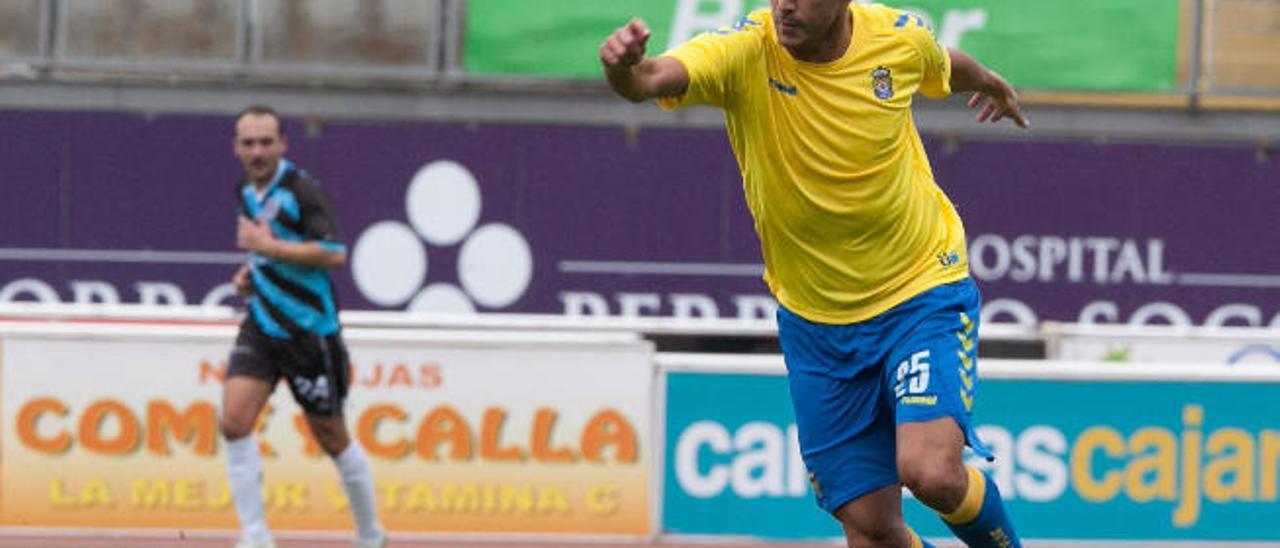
[{"x": 390, "y": 260}]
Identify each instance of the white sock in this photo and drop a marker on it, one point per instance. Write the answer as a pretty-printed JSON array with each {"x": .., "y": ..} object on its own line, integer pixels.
[
  {"x": 244, "y": 472},
  {"x": 353, "y": 467}
]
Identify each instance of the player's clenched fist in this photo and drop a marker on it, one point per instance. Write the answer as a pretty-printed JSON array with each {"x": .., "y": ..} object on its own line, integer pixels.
[{"x": 625, "y": 47}]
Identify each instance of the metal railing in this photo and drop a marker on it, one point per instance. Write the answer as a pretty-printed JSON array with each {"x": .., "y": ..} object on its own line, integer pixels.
[
  {"x": 266, "y": 39},
  {"x": 1229, "y": 49}
]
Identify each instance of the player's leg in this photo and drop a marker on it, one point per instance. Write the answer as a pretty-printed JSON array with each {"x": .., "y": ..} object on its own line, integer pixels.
[
  {"x": 353, "y": 469},
  {"x": 930, "y": 464},
  {"x": 321, "y": 389},
  {"x": 875, "y": 519},
  {"x": 934, "y": 384},
  {"x": 846, "y": 429},
  {"x": 249, "y": 382}
]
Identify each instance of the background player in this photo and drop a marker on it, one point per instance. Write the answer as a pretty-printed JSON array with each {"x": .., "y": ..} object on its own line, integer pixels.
[{"x": 291, "y": 329}]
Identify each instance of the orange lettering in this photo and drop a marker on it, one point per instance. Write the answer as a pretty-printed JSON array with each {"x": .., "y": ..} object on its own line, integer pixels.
[
  {"x": 400, "y": 375},
  {"x": 30, "y": 414},
  {"x": 490, "y": 438},
  {"x": 209, "y": 371},
  {"x": 377, "y": 376},
  {"x": 367, "y": 431},
  {"x": 91, "y": 428},
  {"x": 609, "y": 427},
  {"x": 444, "y": 424},
  {"x": 430, "y": 375},
  {"x": 543, "y": 422},
  {"x": 199, "y": 421}
]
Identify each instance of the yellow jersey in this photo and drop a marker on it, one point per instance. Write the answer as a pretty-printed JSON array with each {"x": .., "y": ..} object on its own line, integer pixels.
[{"x": 850, "y": 220}]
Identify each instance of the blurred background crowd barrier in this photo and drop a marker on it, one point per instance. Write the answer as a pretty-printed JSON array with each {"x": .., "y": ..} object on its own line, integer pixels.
[{"x": 1201, "y": 53}]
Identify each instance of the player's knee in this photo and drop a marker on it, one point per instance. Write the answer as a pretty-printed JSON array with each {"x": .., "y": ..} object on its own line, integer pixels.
[
  {"x": 332, "y": 446},
  {"x": 233, "y": 428},
  {"x": 932, "y": 480},
  {"x": 331, "y": 436}
]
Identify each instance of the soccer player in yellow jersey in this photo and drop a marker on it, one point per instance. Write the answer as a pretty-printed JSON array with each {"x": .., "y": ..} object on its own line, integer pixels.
[{"x": 864, "y": 253}]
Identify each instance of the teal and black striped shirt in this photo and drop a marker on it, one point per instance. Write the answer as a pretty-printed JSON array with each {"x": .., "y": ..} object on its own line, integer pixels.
[{"x": 291, "y": 300}]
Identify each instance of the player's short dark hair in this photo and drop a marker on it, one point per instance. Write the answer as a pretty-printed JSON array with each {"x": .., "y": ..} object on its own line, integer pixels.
[{"x": 261, "y": 110}]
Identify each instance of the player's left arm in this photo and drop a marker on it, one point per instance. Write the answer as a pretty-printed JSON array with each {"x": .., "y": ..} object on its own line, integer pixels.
[{"x": 994, "y": 96}]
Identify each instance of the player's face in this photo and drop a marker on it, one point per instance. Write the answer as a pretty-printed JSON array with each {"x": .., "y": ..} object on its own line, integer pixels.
[
  {"x": 803, "y": 24},
  {"x": 259, "y": 145}
]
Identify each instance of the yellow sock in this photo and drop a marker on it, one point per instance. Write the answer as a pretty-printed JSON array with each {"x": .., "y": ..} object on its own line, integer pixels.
[{"x": 972, "y": 502}]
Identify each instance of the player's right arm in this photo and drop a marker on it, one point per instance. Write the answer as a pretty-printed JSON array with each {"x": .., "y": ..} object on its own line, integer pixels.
[
  {"x": 634, "y": 76},
  {"x": 242, "y": 281}
]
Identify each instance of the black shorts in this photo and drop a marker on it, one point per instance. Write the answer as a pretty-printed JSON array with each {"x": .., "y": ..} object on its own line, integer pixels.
[{"x": 316, "y": 367}]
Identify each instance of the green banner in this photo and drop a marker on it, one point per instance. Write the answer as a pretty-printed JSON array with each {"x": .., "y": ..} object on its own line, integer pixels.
[{"x": 1100, "y": 45}]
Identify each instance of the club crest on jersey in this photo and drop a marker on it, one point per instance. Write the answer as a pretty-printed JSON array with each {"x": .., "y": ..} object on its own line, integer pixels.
[{"x": 882, "y": 83}]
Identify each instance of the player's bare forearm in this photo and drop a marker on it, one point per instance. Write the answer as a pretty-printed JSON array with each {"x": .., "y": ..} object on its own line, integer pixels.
[
  {"x": 967, "y": 74},
  {"x": 309, "y": 254},
  {"x": 631, "y": 74},
  {"x": 993, "y": 95},
  {"x": 648, "y": 79}
]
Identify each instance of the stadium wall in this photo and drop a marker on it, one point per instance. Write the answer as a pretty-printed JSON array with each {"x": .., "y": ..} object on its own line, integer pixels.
[
  {"x": 574, "y": 434},
  {"x": 120, "y": 207}
]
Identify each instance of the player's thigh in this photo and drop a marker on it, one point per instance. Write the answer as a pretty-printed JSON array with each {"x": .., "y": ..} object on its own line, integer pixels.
[
  {"x": 846, "y": 427},
  {"x": 932, "y": 373},
  {"x": 250, "y": 378},
  {"x": 930, "y": 452},
  {"x": 243, "y": 398},
  {"x": 846, "y": 435}
]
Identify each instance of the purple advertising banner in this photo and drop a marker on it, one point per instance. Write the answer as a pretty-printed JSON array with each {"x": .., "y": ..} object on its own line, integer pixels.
[{"x": 115, "y": 207}]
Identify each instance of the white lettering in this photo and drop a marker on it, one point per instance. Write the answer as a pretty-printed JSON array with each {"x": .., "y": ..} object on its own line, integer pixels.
[
  {"x": 1018, "y": 312},
  {"x": 690, "y": 305},
  {"x": 757, "y": 469},
  {"x": 1075, "y": 260},
  {"x": 42, "y": 292},
  {"x": 1222, "y": 316},
  {"x": 1106, "y": 311},
  {"x": 977, "y": 257},
  {"x": 632, "y": 305},
  {"x": 584, "y": 303},
  {"x": 1101, "y": 247},
  {"x": 797, "y": 473},
  {"x": 219, "y": 295},
  {"x": 1155, "y": 261},
  {"x": 688, "y": 475},
  {"x": 1048, "y": 258},
  {"x": 1053, "y": 252},
  {"x": 957, "y": 23},
  {"x": 93, "y": 291},
  {"x": 1169, "y": 312},
  {"x": 1043, "y": 472},
  {"x": 1129, "y": 263},
  {"x": 1024, "y": 259},
  {"x": 157, "y": 293},
  {"x": 755, "y": 307},
  {"x": 691, "y": 19},
  {"x": 1000, "y": 442}
]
